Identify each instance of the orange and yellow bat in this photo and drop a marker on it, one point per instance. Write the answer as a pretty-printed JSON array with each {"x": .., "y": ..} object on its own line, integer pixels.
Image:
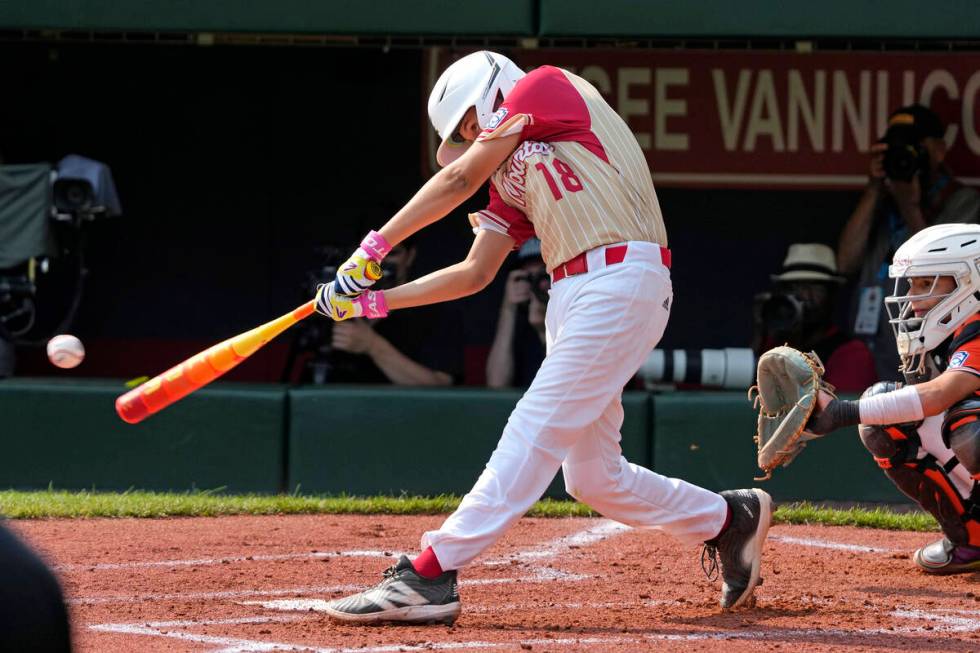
[{"x": 203, "y": 368}]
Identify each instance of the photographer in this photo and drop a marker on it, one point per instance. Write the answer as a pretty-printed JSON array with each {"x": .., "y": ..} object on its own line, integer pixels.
[
  {"x": 799, "y": 312},
  {"x": 519, "y": 342},
  {"x": 909, "y": 188},
  {"x": 415, "y": 348}
]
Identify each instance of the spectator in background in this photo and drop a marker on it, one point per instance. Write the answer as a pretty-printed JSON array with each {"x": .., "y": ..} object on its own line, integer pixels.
[
  {"x": 519, "y": 342},
  {"x": 799, "y": 311},
  {"x": 909, "y": 188},
  {"x": 422, "y": 347}
]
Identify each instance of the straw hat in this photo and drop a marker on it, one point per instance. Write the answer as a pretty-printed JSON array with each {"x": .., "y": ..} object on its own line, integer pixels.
[{"x": 809, "y": 262}]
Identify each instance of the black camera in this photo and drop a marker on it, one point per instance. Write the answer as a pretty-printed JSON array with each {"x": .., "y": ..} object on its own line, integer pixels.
[
  {"x": 781, "y": 313},
  {"x": 42, "y": 212},
  {"x": 905, "y": 156},
  {"x": 540, "y": 284},
  {"x": 312, "y": 338}
]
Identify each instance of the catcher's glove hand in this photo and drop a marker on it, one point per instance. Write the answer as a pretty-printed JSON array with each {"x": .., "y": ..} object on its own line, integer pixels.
[{"x": 790, "y": 387}]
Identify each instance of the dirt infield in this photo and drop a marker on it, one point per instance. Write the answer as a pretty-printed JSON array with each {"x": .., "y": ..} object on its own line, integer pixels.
[{"x": 258, "y": 583}]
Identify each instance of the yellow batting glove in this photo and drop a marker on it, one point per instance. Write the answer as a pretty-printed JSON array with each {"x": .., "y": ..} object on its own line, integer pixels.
[
  {"x": 340, "y": 307},
  {"x": 363, "y": 268}
]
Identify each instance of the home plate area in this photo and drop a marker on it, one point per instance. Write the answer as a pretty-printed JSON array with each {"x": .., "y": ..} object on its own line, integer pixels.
[{"x": 261, "y": 583}]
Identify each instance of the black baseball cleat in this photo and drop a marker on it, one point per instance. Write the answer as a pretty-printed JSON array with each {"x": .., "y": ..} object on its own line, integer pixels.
[
  {"x": 739, "y": 546},
  {"x": 403, "y": 596}
]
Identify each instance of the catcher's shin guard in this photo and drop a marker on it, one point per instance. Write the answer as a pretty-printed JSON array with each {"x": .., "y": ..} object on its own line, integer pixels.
[{"x": 897, "y": 448}]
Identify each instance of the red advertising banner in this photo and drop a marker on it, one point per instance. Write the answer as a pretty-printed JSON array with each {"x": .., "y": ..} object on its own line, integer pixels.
[{"x": 770, "y": 119}]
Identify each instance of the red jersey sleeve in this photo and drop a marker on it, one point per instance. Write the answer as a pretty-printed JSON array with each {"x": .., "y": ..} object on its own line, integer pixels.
[
  {"x": 503, "y": 218},
  {"x": 966, "y": 358},
  {"x": 544, "y": 106}
]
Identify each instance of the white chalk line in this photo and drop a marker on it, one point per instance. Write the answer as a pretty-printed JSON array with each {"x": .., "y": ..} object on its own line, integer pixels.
[
  {"x": 539, "y": 576},
  {"x": 240, "y": 645},
  {"x": 207, "y": 596},
  {"x": 202, "y": 562},
  {"x": 943, "y": 622},
  {"x": 581, "y": 538},
  {"x": 946, "y": 617},
  {"x": 320, "y": 605},
  {"x": 159, "y": 629},
  {"x": 828, "y": 544}
]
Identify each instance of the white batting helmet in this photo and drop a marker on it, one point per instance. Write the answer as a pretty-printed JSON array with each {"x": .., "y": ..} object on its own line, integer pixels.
[
  {"x": 476, "y": 80},
  {"x": 942, "y": 250}
]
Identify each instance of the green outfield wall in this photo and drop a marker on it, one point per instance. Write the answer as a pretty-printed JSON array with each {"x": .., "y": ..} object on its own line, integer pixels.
[
  {"x": 363, "y": 441},
  {"x": 395, "y": 17},
  {"x": 545, "y": 18},
  {"x": 369, "y": 440},
  {"x": 67, "y": 434},
  {"x": 706, "y": 438}
]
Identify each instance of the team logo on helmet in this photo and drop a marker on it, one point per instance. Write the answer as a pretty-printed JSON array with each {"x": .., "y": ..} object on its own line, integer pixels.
[{"x": 496, "y": 118}]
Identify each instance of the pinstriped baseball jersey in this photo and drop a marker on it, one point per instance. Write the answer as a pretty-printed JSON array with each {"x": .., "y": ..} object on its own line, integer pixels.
[{"x": 578, "y": 179}]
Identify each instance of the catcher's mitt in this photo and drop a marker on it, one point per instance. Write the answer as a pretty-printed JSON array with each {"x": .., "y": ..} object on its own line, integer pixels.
[{"x": 788, "y": 391}]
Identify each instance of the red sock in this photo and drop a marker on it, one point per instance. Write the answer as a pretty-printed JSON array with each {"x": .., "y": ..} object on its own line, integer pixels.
[
  {"x": 728, "y": 520},
  {"x": 427, "y": 565}
]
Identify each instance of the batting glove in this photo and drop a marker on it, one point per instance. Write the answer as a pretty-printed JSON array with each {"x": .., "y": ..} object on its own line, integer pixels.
[
  {"x": 340, "y": 307},
  {"x": 362, "y": 269}
]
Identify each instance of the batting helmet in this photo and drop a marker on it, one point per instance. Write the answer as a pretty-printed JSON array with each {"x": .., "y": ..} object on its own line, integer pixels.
[
  {"x": 942, "y": 250},
  {"x": 477, "y": 80}
]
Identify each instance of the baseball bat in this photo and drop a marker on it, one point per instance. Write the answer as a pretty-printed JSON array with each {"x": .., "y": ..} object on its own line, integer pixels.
[{"x": 202, "y": 368}]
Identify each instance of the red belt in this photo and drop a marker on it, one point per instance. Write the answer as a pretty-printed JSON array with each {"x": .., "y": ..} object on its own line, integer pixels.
[{"x": 614, "y": 255}]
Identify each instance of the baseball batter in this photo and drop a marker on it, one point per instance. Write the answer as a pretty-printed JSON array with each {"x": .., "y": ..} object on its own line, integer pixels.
[{"x": 563, "y": 166}]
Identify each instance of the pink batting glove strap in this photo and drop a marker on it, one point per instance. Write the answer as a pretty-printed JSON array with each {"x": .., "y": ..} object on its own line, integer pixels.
[
  {"x": 373, "y": 304},
  {"x": 376, "y": 246}
]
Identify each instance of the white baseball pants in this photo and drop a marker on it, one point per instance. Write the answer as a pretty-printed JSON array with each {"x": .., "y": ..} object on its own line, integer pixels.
[{"x": 601, "y": 325}]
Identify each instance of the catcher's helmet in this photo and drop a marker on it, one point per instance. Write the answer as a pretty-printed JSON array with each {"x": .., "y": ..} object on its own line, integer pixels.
[
  {"x": 477, "y": 80},
  {"x": 942, "y": 250}
]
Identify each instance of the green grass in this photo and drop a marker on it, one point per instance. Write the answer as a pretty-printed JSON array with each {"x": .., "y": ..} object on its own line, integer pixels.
[{"x": 64, "y": 504}]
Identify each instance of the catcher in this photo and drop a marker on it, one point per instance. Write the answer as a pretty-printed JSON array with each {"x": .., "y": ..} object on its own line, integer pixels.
[{"x": 925, "y": 434}]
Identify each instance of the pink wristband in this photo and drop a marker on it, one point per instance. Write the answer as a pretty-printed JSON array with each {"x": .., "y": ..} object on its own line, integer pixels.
[
  {"x": 376, "y": 246},
  {"x": 373, "y": 304}
]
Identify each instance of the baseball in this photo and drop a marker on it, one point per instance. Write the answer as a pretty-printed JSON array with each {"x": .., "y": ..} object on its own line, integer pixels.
[{"x": 65, "y": 351}]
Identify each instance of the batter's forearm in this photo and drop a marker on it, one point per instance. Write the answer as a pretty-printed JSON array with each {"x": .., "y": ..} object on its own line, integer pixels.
[
  {"x": 402, "y": 370},
  {"x": 453, "y": 282}
]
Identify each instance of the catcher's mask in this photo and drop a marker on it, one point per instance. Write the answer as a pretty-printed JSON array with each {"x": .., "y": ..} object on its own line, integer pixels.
[{"x": 935, "y": 252}]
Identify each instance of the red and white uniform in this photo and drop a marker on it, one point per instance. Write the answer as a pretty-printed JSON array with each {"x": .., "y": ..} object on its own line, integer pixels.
[{"x": 579, "y": 181}]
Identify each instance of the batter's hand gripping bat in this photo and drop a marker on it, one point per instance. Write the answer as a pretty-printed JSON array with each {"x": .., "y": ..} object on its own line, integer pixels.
[{"x": 203, "y": 368}]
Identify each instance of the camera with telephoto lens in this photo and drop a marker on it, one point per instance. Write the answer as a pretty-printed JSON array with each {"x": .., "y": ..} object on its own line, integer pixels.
[
  {"x": 732, "y": 368},
  {"x": 905, "y": 156}
]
